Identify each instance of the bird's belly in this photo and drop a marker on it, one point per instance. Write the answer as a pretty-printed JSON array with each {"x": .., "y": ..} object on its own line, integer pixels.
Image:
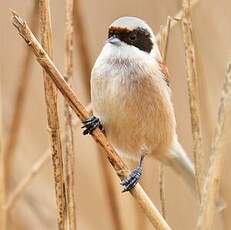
[{"x": 134, "y": 120}]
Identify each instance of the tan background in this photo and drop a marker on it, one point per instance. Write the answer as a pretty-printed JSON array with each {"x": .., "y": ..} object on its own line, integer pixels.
[{"x": 36, "y": 209}]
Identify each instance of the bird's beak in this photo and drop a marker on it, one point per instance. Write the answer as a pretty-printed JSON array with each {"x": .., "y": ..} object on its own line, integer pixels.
[{"x": 114, "y": 40}]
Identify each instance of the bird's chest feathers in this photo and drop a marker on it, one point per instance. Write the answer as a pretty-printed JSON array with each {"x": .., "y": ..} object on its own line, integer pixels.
[
  {"x": 122, "y": 98},
  {"x": 109, "y": 94}
]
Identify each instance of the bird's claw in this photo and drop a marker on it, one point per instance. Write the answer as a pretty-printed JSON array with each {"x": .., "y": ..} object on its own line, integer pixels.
[
  {"x": 91, "y": 124},
  {"x": 132, "y": 179}
]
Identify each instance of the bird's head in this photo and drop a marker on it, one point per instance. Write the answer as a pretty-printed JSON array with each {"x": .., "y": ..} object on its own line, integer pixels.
[{"x": 133, "y": 36}]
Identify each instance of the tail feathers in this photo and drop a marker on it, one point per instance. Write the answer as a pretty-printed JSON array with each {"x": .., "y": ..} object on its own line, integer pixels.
[{"x": 178, "y": 160}]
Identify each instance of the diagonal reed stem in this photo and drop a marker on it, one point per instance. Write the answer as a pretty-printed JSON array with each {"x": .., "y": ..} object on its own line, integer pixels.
[
  {"x": 81, "y": 43},
  {"x": 177, "y": 16},
  {"x": 35, "y": 169},
  {"x": 121, "y": 169}
]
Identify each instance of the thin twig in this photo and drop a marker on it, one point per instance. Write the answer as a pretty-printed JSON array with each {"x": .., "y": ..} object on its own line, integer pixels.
[
  {"x": 69, "y": 159},
  {"x": 120, "y": 168},
  {"x": 81, "y": 42},
  {"x": 213, "y": 178},
  {"x": 165, "y": 39},
  {"x": 193, "y": 92},
  {"x": 178, "y": 17},
  {"x": 23, "y": 81},
  {"x": 35, "y": 169},
  {"x": 164, "y": 49},
  {"x": 52, "y": 116},
  {"x": 25, "y": 181},
  {"x": 162, "y": 193},
  {"x": 3, "y": 212}
]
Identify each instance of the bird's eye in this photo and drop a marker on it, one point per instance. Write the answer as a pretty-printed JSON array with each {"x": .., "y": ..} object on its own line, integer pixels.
[
  {"x": 132, "y": 37},
  {"x": 110, "y": 33}
]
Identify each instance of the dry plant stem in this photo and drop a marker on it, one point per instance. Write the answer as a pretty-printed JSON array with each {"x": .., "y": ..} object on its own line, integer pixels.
[
  {"x": 52, "y": 116},
  {"x": 35, "y": 169},
  {"x": 165, "y": 39},
  {"x": 141, "y": 222},
  {"x": 164, "y": 48},
  {"x": 193, "y": 92},
  {"x": 3, "y": 215},
  {"x": 113, "y": 204},
  {"x": 81, "y": 42},
  {"x": 23, "y": 81},
  {"x": 213, "y": 178},
  {"x": 121, "y": 169},
  {"x": 75, "y": 122},
  {"x": 162, "y": 193},
  {"x": 178, "y": 17},
  {"x": 69, "y": 159}
]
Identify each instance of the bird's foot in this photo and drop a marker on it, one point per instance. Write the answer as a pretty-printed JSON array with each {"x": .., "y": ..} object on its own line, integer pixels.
[
  {"x": 91, "y": 124},
  {"x": 133, "y": 177}
]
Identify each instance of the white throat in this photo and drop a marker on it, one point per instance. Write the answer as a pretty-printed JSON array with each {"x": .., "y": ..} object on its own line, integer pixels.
[{"x": 126, "y": 60}]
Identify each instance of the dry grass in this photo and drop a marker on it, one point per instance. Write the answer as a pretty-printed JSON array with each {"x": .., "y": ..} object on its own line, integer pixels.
[
  {"x": 66, "y": 194},
  {"x": 69, "y": 159},
  {"x": 121, "y": 169},
  {"x": 52, "y": 116},
  {"x": 178, "y": 17},
  {"x": 164, "y": 41},
  {"x": 213, "y": 177},
  {"x": 193, "y": 92},
  {"x": 35, "y": 169}
]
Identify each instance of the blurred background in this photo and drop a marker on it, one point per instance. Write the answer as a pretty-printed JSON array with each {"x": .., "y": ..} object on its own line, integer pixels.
[{"x": 35, "y": 208}]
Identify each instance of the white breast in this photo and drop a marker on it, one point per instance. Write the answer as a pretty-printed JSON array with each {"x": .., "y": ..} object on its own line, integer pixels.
[{"x": 132, "y": 100}]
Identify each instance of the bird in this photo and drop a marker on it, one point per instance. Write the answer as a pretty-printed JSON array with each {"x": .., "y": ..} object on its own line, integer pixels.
[{"x": 131, "y": 100}]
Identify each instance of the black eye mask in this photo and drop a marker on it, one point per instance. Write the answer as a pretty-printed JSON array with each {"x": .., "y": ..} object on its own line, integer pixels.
[{"x": 139, "y": 37}]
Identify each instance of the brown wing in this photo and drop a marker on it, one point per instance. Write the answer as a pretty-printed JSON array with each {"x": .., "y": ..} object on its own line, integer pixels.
[{"x": 165, "y": 72}]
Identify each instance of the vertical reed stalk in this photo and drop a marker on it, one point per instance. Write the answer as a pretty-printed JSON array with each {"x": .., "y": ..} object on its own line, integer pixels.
[
  {"x": 193, "y": 92},
  {"x": 69, "y": 160},
  {"x": 52, "y": 116},
  {"x": 164, "y": 40},
  {"x": 213, "y": 178},
  {"x": 177, "y": 18},
  {"x": 110, "y": 192},
  {"x": 23, "y": 81},
  {"x": 162, "y": 193},
  {"x": 35, "y": 169},
  {"x": 3, "y": 211},
  {"x": 81, "y": 42}
]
